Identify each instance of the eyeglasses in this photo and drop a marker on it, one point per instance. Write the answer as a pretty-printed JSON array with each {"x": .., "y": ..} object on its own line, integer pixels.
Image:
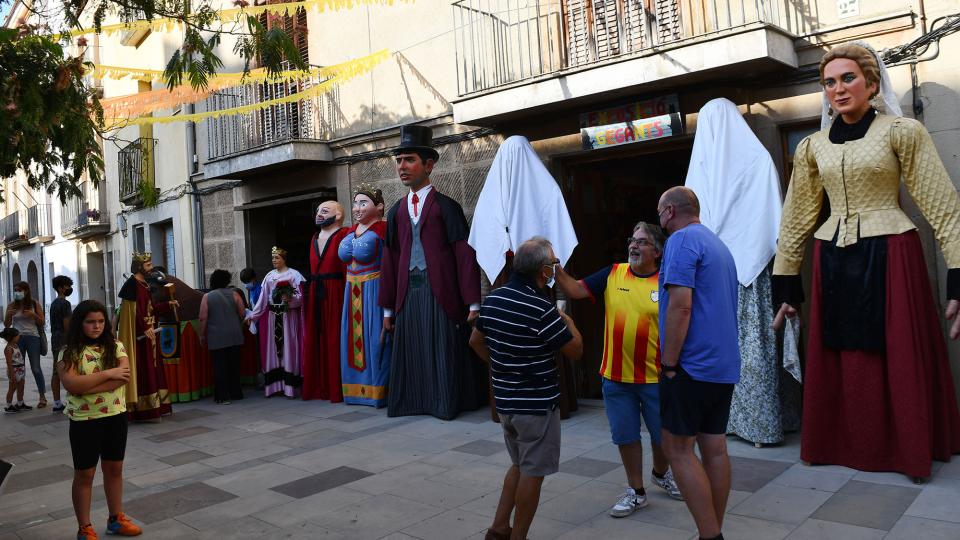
[
  {"x": 639, "y": 241},
  {"x": 553, "y": 264}
]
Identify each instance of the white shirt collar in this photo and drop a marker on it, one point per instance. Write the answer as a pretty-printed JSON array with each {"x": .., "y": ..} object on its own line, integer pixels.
[{"x": 421, "y": 193}]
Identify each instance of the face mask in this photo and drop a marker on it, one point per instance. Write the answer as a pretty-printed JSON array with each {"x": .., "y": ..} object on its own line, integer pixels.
[
  {"x": 250, "y": 285},
  {"x": 321, "y": 223},
  {"x": 18, "y": 295},
  {"x": 155, "y": 276},
  {"x": 68, "y": 291}
]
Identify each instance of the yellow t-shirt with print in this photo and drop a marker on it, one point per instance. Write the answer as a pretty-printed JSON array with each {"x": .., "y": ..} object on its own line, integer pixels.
[{"x": 99, "y": 404}]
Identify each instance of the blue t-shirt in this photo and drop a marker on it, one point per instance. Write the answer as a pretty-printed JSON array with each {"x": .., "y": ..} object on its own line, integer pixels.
[{"x": 694, "y": 257}]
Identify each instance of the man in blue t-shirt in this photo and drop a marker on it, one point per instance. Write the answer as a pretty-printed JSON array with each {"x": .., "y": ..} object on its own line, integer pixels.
[{"x": 700, "y": 356}]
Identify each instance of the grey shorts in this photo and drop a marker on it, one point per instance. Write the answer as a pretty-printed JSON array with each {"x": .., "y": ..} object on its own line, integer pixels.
[{"x": 533, "y": 441}]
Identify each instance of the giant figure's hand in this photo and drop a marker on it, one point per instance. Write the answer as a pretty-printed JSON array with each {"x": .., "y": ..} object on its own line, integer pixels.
[
  {"x": 786, "y": 311},
  {"x": 388, "y": 324},
  {"x": 953, "y": 306}
]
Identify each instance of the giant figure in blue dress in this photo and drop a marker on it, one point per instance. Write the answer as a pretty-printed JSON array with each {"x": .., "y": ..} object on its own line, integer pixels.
[{"x": 364, "y": 346}]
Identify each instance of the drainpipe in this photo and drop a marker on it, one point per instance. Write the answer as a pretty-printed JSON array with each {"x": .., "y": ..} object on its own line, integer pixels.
[
  {"x": 197, "y": 202},
  {"x": 914, "y": 79}
]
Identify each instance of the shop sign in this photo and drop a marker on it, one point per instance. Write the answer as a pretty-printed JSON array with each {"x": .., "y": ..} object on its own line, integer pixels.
[
  {"x": 627, "y": 113},
  {"x": 644, "y": 129}
]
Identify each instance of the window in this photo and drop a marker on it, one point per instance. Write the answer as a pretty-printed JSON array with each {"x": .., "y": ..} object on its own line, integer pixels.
[
  {"x": 169, "y": 254},
  {"x": 139, "y": 239}
]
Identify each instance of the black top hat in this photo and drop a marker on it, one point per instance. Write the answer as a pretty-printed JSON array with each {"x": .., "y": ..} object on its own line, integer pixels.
[{"x": 417, "y": 138}]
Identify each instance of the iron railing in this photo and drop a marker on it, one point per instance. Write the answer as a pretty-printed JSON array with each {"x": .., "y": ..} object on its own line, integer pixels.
[
  {"x": 39, "y": 221},
  {"x": 15, "y": 227},
  {"x": 312, "y": 119},
  {"x": 28, "y": 225},
  {"x": 499, "y": 42},
  {"x": 136, "y": 164},
  {"x": 88, "y": 210}
]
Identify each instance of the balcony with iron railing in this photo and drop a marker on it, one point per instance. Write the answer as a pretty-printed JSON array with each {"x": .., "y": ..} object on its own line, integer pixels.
[
  {"x": 28, "y": 226},
  {"x": 85, "y": 216},
  {"x": 137, "y": 171},
  {"x": 240, "y": 145},
  {"x": 583, "y": 48}
]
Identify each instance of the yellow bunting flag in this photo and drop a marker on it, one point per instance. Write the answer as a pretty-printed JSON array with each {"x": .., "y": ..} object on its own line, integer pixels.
[
  {"x": 229, "y": 15},
  {"x": 337, "y": 73}
]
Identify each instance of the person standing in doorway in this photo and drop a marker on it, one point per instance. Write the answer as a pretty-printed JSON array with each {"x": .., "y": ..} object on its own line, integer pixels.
[
  {"x": 518, "y": 332},
  {"x": 60, "y": 310},
  {"x": 221, "y": 332},
  {"x": 26, "y": 315},
  {"x": 431, "y": 287},
  {"x": 631, "y": 359},
  {"x": 252, "y": 287},
  {"x": 700, "y": 357}
]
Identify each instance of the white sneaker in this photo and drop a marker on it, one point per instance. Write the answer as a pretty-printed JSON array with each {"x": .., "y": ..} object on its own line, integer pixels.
[
  {"x": 668, "y": 484},
  {"x": 629, "y": 503}
]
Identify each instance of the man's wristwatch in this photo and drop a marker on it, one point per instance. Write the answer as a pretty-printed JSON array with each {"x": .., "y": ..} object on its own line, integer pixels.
[{"x": 668, "y": 369}]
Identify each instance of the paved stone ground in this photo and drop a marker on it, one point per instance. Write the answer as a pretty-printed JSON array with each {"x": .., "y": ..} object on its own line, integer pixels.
[{"x": 278, "y": 468}]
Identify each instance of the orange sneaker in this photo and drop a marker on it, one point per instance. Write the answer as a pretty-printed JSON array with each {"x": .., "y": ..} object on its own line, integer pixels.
[
  {"x": 123, "y": 526},
  {"x": 86, "y": 533}
]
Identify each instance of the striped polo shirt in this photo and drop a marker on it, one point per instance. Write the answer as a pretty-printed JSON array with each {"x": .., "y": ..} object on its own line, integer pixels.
[{"x": 523, "y": 330}]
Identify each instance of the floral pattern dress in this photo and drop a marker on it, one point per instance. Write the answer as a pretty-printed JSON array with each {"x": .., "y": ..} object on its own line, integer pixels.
[{"x": 766, "y": 401}]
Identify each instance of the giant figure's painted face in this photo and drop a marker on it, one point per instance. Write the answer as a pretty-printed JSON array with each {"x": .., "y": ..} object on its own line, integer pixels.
[
  {"x": 847, "y": 89},
  {"x": 364, "y": 210}
]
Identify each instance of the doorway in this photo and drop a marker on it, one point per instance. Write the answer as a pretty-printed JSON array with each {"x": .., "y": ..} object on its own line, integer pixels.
[
  {"x": 607, "y": 196},
  {"x": 288, "y": 225},
  {"x": 96, "y": 280}
]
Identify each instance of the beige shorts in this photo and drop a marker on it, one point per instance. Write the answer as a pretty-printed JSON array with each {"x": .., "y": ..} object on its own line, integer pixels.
[{"x": 533, "y": 441}]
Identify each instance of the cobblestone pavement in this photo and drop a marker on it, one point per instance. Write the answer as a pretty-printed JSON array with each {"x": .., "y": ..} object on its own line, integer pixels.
[{"x": 278, "y": 468}]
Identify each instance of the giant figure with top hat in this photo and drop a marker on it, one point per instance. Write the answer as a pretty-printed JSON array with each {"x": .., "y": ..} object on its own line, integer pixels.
[{"x": 430, "y": 292}]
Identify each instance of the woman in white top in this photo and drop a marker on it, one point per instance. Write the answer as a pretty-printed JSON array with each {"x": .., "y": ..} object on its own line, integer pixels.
[{"x": 26, "y": 315}]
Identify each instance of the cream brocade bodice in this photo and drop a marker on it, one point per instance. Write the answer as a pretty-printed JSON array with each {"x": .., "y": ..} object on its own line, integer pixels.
[{"x": 862, "y": 180}]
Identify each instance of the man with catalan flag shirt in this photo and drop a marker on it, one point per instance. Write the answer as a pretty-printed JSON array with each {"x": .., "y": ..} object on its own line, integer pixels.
[{"x": 631, "y": 358}]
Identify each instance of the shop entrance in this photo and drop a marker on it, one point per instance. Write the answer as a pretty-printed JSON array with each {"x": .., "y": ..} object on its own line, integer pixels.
[
  {"x": 286, "y": 223},
  {"x": 607, "y": 196}
]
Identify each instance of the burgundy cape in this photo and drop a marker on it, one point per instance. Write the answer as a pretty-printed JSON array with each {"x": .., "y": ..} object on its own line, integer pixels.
[
  {"x": 322, "y": 308},
  {"x": 883, "y": 411},
  {"x": 152, "y": 393},
  {"x": 453, "y": 271}
]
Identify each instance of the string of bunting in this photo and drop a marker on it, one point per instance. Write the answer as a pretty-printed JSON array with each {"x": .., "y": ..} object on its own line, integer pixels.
[
  {"x": 314, "y": 91},
  {"x": 146, "y": 102},
  {"x": 229, "y": 15}
]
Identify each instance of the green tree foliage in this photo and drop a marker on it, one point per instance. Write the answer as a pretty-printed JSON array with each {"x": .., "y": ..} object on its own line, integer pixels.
[
  {"x": 51, "y": 123},
  {"x": 48, "y": 117}
]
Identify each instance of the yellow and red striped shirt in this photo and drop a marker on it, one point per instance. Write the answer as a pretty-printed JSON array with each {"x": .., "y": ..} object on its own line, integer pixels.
[{"x": 631, "y": 345}]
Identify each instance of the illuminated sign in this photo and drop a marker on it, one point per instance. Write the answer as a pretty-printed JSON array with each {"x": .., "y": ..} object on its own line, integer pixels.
[
  {"x": 635, "y": 111},
  {"x": 644, "y": 129}
]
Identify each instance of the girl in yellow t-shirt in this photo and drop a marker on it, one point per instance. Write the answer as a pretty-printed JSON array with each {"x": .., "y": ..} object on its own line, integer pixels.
[{"x": 95, "y": 370}]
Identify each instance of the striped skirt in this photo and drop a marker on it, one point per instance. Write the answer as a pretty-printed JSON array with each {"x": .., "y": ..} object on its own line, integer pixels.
[{"x": 432, "y": 370}]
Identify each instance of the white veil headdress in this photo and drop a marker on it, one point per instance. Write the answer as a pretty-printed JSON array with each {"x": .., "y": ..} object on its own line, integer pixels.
[
  {"x": 886, "y": 100},
  {"x": 738, "y": 186},
  {"x": 520, "y": 199}
]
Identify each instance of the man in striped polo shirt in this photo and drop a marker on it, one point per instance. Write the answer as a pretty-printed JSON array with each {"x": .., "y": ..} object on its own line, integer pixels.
[
  {"x": 518, "y": 332},
  {"x": 631, "y": 358}
]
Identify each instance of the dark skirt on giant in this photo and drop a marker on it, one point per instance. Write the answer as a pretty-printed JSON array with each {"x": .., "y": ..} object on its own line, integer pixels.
[
  {"x": 892, "y": 409},
  {"x": 432, "y": 370}
]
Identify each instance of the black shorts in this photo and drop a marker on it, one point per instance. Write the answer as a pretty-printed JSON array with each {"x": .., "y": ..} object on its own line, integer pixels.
[
  {"x": 689, "y": 407},
  {"x": 104, "y": 438}
]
